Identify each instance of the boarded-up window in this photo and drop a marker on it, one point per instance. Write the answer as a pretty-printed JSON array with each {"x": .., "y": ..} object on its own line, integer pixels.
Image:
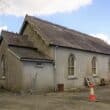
[
  {"x": 94, "y": 65},
  {"x": 71, "y": 64}
]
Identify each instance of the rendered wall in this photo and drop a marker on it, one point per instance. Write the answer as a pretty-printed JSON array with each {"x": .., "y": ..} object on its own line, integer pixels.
[
  {"x": 14, "y": 73},
  {"x": 82, "y": 67},
  {"x": 38, "y": 78}
]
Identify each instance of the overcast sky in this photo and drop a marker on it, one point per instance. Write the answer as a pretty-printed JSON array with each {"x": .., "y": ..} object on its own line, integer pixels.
[{"x": 88, "y": 16}]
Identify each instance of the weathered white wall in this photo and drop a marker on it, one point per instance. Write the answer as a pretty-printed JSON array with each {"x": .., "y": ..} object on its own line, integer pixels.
[
  {"x": 39, "y": 78},
  {"x": 82, "y": 67},
  {"x": 3, "y": 51},
  {"x": 14, "y": 72},
  {"x": 13, "y": 69}
]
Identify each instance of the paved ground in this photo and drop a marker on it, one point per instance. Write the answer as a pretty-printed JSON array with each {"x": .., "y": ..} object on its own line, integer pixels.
[{"x": 56, "y": 101}]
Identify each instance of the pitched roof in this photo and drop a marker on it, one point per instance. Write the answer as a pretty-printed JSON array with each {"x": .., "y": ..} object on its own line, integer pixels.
[
  {"x": 24, "y": 49},
  {"x": 62, "y": 36},
  {"x": 29, "y": 54},
  {"x": 16, "y": 39}
]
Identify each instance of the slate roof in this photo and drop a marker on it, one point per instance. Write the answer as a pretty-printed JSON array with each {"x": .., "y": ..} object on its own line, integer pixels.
[
  {"x": 16, "y": 39},
  {"x": 23, "y": 48},
  {"x": 64, "y": 37}
]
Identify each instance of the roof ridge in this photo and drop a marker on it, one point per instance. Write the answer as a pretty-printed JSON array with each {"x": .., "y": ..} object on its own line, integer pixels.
[
  {"x": 16, "y": 39},
  {"x": 5, "y": 32},
  {"x": 66, "y": 28},
  {"x": 63, "y": 36},
  {"x": 10, "y": 32}
]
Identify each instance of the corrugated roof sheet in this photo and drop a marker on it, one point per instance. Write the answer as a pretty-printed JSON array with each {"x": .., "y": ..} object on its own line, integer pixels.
[{"x": 28, "y": 53}]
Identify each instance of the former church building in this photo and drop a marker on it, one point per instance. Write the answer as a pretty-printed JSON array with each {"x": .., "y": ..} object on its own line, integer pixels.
[{"x": 44, "y": 55}]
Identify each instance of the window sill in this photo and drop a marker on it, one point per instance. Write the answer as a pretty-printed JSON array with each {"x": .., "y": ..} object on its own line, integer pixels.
[
  {"x": 72, "y": 77},
  {"x": 95, "y": 76},
  {"x": 3, "y": 78},
  {"x": 39, "y": 66}
]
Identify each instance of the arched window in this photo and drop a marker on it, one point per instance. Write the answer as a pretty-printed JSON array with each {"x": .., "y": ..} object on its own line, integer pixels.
[
  {"x": 3, "y": 71},
  {"x": 71, "y": 64},
  {"x": 109, "y": 65},
  {"x": 94, "y": 65}
]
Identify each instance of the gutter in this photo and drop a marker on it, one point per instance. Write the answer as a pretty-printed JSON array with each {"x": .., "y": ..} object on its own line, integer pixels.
[{"x": 37, "y": 60}]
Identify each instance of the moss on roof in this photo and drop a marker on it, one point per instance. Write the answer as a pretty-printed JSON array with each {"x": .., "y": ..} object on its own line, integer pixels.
[{"x": 62, "y": 36}]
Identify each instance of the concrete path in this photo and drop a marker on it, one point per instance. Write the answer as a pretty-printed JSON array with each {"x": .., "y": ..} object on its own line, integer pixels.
[{"x": 56, "y": 101}]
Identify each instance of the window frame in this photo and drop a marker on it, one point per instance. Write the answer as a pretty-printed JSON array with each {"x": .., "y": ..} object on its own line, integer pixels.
[
  {"x": 109, "y": 65},
  {"x": 3, "y": 67},
  {"x": 71, "y": 66},
  {"x": 94, "y": 66}
]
